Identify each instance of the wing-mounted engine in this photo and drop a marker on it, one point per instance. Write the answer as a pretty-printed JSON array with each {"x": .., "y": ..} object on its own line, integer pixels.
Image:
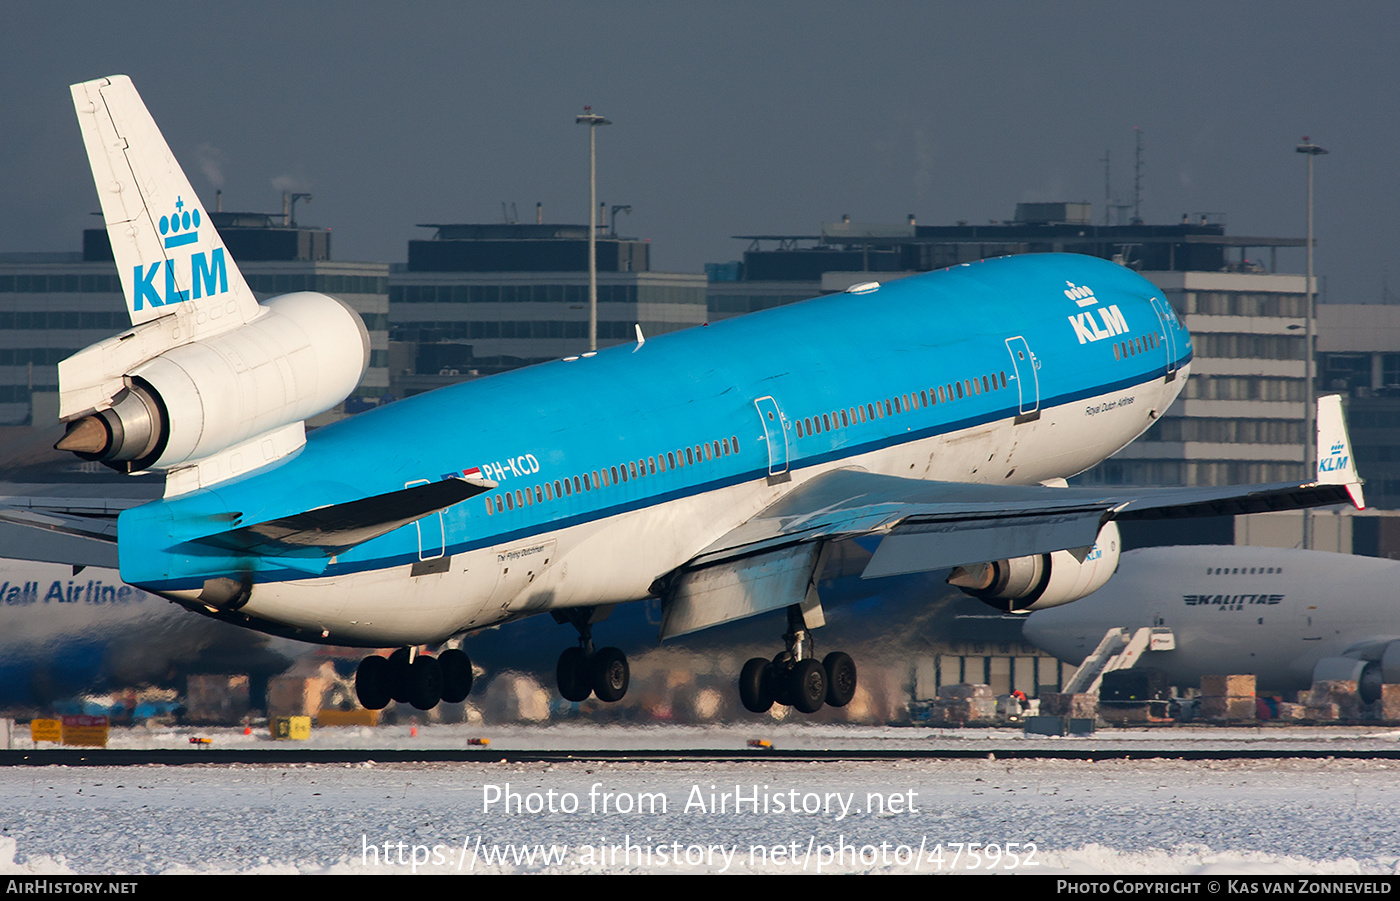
[
  {"x": 1023, "y": 584},
  {"x": 1370, "y": 664},
  {"x": 301, "y": 356}
]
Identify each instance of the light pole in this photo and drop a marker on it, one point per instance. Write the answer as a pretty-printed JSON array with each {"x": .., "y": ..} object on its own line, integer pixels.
[
  {"x": 1311, "y": 150},
  {"x": 592, "y": 120}
]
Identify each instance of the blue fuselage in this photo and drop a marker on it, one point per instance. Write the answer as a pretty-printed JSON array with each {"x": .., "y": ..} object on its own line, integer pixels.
[{"x": 845, "y": 379}]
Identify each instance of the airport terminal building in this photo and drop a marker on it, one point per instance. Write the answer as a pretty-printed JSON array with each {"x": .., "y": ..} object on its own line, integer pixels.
[{"x": 474, "y": 300}]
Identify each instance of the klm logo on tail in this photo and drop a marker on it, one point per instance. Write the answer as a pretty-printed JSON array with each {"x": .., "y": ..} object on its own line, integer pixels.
[
  {"x": 208, "y": 273},
  {"x": 1335, "y": 461}
]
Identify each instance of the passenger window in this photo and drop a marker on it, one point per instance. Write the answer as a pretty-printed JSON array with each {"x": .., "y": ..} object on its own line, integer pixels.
[{"x": 490, "y": 507}]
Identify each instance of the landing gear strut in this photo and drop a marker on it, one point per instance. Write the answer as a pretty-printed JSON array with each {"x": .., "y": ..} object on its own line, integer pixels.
[
  {"x": 582, "y": 671},
  {"x": 417, "y": 679},
  {"x": 795, "y": 678}
]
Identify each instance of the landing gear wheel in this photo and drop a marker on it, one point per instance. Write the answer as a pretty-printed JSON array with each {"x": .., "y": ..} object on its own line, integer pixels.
[
  {"x": 756, "y": 689},
  {"x": 610, "y": 674},
  {"x": 840, "y": 678},
  {"x": 572, "y": 673},
  {"x": 424, "y": 682},
  {"x": 372, "y": 683},
  {"x": 807, "y": 685},
  {"x": 398, "y": 675},
  {"x": 782, "y": 683},
  {"x": 456, "y": 675}
]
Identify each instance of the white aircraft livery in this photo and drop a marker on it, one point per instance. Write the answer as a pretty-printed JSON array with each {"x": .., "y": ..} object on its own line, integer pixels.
[
  {"x": 707, "y": 468},
  {"x": 1290, "y": 617}
]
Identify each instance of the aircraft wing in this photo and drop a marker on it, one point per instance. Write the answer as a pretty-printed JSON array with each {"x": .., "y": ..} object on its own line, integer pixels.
[
  {"x": 937, "y": 525},
  {"x": 773, "y": 560}
]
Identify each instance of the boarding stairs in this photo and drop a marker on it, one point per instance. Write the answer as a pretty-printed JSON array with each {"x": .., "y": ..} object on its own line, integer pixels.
[{"x": 1118, "y": 650}]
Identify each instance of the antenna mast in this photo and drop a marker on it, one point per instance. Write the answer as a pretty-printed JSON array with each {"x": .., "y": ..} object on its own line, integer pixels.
[{"x": 1137, "y": 178}]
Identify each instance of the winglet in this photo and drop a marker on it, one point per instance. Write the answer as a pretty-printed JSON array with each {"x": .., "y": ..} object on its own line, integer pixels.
[{"x": 1336, "y": 464}]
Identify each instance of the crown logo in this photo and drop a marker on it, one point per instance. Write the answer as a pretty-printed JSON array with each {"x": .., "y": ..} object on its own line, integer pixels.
[
  {"x": 182, "y": 226},
  {"x": 1337, "y": 448},
  {"x": 1080, "y": 294}
]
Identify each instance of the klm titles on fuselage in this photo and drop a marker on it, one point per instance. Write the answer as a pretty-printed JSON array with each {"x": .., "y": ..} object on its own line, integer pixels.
[
  {"x": 1086, "y": 329},
  {"x": 207, "y": 275}
]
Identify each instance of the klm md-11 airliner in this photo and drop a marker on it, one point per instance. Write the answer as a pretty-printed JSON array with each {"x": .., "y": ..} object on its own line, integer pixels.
[{"x": 708, "y": 468}]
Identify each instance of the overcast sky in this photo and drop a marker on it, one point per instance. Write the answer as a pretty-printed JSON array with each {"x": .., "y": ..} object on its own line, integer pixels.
[{"x": 729, "y": 118}]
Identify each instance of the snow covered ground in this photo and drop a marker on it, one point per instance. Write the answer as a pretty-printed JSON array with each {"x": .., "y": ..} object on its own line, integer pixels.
[{"x": 987, "y": 815}]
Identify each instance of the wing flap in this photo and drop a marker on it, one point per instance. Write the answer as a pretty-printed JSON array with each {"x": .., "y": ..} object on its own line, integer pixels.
[{"x": 921, "y": 547}]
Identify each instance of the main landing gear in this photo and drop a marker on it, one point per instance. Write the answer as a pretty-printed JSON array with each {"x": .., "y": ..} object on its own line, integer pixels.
[
  {"x": 417, "y": 679},
  {"x": 583, "y": 671},
  {"x": 795, "y": 678}
]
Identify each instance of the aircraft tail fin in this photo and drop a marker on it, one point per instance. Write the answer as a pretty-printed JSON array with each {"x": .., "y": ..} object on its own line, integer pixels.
[
  {"x": 1336, "y": 464},
  {"x": 169, "y": 256}
]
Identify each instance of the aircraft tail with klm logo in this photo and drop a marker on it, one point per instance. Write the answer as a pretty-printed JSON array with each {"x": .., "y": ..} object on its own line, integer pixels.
[{"x": 169, "y": 256}]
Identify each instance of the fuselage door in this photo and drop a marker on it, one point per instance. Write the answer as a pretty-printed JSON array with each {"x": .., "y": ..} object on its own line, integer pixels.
[
  {"x": 431, "y": 533},
  {"x": 1170, "y": 326},
  {"x": 775, "y": 433},
  {"x": 1027, "y": 378}
]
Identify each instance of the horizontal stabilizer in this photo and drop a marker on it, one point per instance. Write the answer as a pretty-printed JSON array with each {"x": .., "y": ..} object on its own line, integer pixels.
[
  {"x": 327, "y": 531},
  {"x": 58, "y": 538}
]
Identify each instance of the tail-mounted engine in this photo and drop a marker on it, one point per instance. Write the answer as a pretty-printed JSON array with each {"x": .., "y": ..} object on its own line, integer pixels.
[
  {"x": 1023, "y": 584},
  {"x": 303, "y": 354}
]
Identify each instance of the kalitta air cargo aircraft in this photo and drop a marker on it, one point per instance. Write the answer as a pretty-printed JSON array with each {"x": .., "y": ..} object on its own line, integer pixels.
[{"x": 707, "y": 468}]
